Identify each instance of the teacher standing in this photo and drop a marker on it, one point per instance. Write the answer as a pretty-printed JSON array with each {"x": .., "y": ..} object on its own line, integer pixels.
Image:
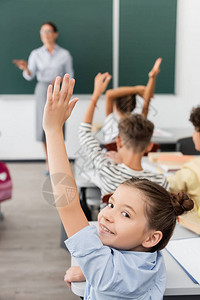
[{"x": 45, "y": 63}]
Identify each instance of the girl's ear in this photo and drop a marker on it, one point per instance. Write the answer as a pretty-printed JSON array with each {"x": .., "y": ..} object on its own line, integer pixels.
[{"x": 153, "y": 239}]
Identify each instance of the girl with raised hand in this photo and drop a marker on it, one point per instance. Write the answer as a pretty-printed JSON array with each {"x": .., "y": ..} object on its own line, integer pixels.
[
  {"x": 122, "y": 260},
  {"x": 121, "y": 102}
]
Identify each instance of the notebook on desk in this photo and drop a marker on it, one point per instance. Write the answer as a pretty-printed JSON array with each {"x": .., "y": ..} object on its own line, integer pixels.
[
  {"x": 154, "y": 156},
  {"x": 170, "y": 162},
  {"x": 186, "y": 253}
]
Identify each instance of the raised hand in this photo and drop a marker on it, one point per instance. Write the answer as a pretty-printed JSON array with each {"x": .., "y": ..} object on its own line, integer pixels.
[
  {"x": 21, "y": 64},
  {"x": 156, "y": 68},
  {"x": 58, "y": 106},
  {"x": 101, "y": 82}
]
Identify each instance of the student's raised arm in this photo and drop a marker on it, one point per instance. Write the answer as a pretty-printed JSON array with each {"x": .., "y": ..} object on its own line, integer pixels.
[
  {"x": 150, "y": 87},
  {"x": 101, "y": 82},
  {"x": 57, "y": 110},
  {"x": 113, "y": 94}
]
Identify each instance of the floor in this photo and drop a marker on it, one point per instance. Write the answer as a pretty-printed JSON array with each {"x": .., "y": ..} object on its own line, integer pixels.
[{"x": 32, "y": 264}]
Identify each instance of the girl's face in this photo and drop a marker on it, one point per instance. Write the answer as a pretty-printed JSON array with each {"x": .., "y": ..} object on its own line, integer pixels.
[
  {"x": 47, "y": 35},
  {"x": 122, "y": 223},
  {"x": 196, "y": 140}
]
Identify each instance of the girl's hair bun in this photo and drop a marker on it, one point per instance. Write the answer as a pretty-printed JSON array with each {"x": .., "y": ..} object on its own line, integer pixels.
[{"x": 181, "y": 203}]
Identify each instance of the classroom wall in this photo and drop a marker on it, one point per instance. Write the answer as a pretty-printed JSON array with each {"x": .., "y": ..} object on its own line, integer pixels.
[{"x": 17, "y": 140}]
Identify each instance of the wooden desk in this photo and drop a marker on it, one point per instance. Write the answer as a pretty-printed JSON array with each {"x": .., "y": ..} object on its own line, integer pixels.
[{"x": 179, "y": 284}]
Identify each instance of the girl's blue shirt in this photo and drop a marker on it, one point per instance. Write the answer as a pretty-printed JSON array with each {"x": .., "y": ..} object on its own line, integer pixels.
[{"x": 114, "y": 274}]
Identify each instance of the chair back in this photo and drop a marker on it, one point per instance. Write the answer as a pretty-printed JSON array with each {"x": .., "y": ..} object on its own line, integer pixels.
[{"x": 186, "y": 146}]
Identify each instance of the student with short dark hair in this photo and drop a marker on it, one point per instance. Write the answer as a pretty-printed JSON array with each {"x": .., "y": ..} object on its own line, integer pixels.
[
  {"x": 134, "y": 139},
  {"x": 188, "y": 178},
  {"x": 136, "y": 132},
  {"x": 122, "y": 260}
]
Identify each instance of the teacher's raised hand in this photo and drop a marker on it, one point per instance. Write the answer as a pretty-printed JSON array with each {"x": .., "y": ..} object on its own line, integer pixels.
[{"x": 21, "y": 64}]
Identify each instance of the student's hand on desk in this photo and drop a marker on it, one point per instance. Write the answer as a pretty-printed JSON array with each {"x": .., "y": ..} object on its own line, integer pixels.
[
  {"x": 101, "y": 82},
  {"x": 156, "y": 68},
  {"x": 58, "y": 106},
  {"x": 21, "y": 64},
  {"x": 114, "y": 156},
  {"x": 73, "y": 274}
]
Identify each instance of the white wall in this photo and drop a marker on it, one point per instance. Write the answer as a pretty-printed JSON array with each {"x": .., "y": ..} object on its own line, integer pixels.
[
  {"x": 17, "y": 119},
  {"x": 17, "y": 126}
]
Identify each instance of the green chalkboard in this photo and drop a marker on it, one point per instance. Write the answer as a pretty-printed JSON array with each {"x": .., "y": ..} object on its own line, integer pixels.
[
  {"x": 85, "y": 29},
  {"x": 147, "y": 31}
]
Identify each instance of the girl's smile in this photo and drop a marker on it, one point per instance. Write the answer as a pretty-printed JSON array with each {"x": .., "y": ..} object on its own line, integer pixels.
[{"x": 104, "y": 230}]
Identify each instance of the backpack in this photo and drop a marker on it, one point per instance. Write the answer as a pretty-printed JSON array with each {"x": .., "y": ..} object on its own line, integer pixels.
[{"x": 5, "y": 183}]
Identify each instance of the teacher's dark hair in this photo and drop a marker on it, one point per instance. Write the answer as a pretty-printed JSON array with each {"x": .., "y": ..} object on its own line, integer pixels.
[{"x": 55, "y": 29}]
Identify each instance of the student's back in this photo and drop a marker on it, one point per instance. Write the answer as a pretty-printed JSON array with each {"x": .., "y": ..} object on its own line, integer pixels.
[
  {"x": 133, "y": 141},
  {"x": 117, "y": 274}
]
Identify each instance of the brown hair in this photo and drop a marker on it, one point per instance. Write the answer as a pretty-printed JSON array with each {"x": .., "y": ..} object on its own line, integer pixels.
[
  {"x": 126, "y": 104},
  {"x": 162, "y": 207},
  {"x": 136, "y": 132},
  {"x": 195, "y": 118}
]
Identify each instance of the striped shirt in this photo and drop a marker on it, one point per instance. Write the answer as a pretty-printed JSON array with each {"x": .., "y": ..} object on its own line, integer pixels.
[
  {"x": 110, "y": 174},
  {"x": 110, "y": 127}
]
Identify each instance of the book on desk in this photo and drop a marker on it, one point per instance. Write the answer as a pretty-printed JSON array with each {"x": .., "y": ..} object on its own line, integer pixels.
[{"x": 169, "y": 161}]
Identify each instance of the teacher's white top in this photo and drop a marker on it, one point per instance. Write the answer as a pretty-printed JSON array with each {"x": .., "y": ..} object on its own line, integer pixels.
[{"x": 46, "y": 66}]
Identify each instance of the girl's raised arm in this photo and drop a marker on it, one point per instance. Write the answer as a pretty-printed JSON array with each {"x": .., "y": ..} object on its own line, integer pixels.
[
  {"x": 57, "y": 110},
  {"x": 113, "y": 94},
  {"x": 150, "y": 87}
]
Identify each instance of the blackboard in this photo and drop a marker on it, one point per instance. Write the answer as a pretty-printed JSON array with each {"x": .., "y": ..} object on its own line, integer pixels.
[
  {"x": 147, "y": 31},
  {"x": 85, "y": 29}
]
